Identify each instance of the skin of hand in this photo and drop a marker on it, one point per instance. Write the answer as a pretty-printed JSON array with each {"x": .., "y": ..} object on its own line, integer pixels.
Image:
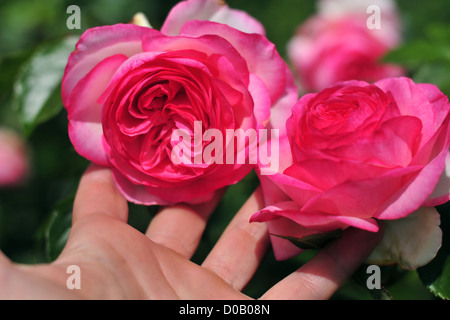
[{"x": 117, "y": 261}]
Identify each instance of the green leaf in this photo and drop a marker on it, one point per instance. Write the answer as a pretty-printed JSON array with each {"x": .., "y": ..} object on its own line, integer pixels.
[
  {"x": 437, "y": 32},
  {"x": 435, "y": 73},
  {"x": 57, "y": 228},
  {"x": 37, "y": 89},
  {"x": 313, "y": 241},
  {"x": 9, "y": 68},
  {"x": 436, "y": 274},
  {"x": 360, "y": 278},
  {"x": 415, "y": 53}
]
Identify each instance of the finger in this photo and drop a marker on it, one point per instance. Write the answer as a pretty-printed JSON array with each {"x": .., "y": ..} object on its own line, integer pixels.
[
  {"x": 180, "y": 227},
  {"x": 97, "y": 194},
  {"x": 320, "y": 277},
  {"x": 239, "y": 251}
]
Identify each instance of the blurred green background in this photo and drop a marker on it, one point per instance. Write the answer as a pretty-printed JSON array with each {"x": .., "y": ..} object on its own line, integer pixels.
[{"x": 35, "y": 216}]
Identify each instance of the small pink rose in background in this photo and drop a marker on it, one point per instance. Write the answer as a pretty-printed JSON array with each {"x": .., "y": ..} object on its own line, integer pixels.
[
  {"x": 14, "y": 164},
  {"x": 337, "y": 44},
  {"x": 387, "y": 29},
  {"x": 127, "y": 88},
  {"x": 359, "y": 153}
]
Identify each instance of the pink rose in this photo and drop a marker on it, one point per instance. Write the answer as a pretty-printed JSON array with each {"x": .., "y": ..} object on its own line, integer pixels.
[
  {"x": 13, "y": 158},
  {"x": 357, "y": 153},
  {"x": 337, "y": 45},
  {"x": 128, "y": 88}
]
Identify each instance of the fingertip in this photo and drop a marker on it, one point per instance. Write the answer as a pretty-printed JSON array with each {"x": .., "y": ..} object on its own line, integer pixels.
[
  {"x": 351, "y": 250},
  {"x": 97, "y": 194},
  {"x": 180, "y": 227},
  {"x": 321, "y": 276}
]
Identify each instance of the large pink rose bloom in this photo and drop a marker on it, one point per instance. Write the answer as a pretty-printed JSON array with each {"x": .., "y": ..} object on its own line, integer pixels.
[
  {"x": 337, "y": 46},
  {"x": 127, "y": 88},
  {"x": 357, "y": 153}
]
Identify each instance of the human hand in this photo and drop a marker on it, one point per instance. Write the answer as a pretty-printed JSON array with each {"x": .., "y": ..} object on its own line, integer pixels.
[{"x": 119, "y": 262}]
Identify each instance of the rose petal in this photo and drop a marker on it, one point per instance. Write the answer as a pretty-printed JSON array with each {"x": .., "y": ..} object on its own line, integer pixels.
[
  {"x": 261, "y": 100},
  {"x": 97, "y": 44},
  {"x": 85, "y": 112},
  {"x": 368, "y": 224},
  {"x": 336, "y": 172},
  {"x": 275, "y": 210},
  {"x": 414, "y": 100},
  {"x": 135, "y": 193},
  {"x": 394, "y": 144},
  {"x": 84, "y": 103},
  {"x": 416, "y": 193},
  {"x": 212, "y": 10},
  {"x": 411, "y": 242},
  {"x": 87, "y": 139},
  {"x": 148, "y": 196},
  {"x": 438, "y": 100},
  {"x": 274, "y": 153},
  {"x": 299, "y": 191},
  {"x": 208, "y": 45},
  {"x": 365, "y": 198},
  {"x": 441, "y": 193},
  {"x": 201, "y": 189},
  {"x": 282, "y": 109},
  {"x": 272, "y": 194},
  {"x": 260, "y": 54},
  {"x": 292, "y": 211}
]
